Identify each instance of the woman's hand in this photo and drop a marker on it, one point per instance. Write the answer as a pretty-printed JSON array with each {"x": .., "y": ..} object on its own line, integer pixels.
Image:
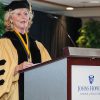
[{"x": 22, "y": 66}]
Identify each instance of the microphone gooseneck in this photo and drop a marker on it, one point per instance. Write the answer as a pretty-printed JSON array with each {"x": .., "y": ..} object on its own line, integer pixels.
[{"x": 71, "y": 40}]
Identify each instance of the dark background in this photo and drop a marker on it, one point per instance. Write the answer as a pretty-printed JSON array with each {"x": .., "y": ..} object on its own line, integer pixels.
[{"x": 43, "y": 29}]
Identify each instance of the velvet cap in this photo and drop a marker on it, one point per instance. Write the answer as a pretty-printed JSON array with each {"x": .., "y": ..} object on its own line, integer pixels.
[{"x": 17, "y": 4}]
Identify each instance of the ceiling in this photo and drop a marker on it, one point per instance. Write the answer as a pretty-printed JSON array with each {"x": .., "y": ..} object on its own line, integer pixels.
[
  {"x": 74, "y": 3},
  {"x": 82, "y": 8}
]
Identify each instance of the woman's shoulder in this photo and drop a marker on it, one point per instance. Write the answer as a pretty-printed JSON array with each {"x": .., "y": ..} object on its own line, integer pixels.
[
  {"x": 3, "y": 40},
  {"x": 6, "y": 37},
  {"x": 45, "y": 56},
  {"x": 10, "y": 35},
  {"x": 7, "y": 34},
  {"x": 38, "y": 43}
]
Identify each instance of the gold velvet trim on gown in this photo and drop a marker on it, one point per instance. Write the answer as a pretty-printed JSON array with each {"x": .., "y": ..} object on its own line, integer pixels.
[{"x": 43, "y": 51}]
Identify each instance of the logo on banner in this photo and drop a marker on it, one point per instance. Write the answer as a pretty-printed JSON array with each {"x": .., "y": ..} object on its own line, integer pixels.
[
  {"x": 91, "y": 79},
  {"x": 89, "y": 89}
]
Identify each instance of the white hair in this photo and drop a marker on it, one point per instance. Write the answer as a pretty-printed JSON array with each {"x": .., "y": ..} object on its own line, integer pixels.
[{"x": 8, "y": 22}]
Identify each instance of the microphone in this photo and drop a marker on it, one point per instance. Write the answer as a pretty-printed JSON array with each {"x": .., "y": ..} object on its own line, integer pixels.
[{"x": 71, "y": 40}]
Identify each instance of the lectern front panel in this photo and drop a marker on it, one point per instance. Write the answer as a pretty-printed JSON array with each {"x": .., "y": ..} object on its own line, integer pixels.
[
  {"x": 48, "y": 82},
  {"x": 83, "y": 78}
]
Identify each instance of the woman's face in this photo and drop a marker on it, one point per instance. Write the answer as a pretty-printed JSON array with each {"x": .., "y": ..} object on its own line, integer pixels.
[{"x": 20, "y": 18}]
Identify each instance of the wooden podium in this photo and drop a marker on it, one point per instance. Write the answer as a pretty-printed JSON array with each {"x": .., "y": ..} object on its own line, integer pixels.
[
  {"x": 73, "y": 77},
  {"x": 83, "y": 69}
]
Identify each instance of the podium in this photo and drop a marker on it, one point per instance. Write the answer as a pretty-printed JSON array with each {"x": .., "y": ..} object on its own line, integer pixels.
[
  {"x": 76, "y": 76},
  {"x": 47, "y": 81},
  {"x": 83, "y": 68}
]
